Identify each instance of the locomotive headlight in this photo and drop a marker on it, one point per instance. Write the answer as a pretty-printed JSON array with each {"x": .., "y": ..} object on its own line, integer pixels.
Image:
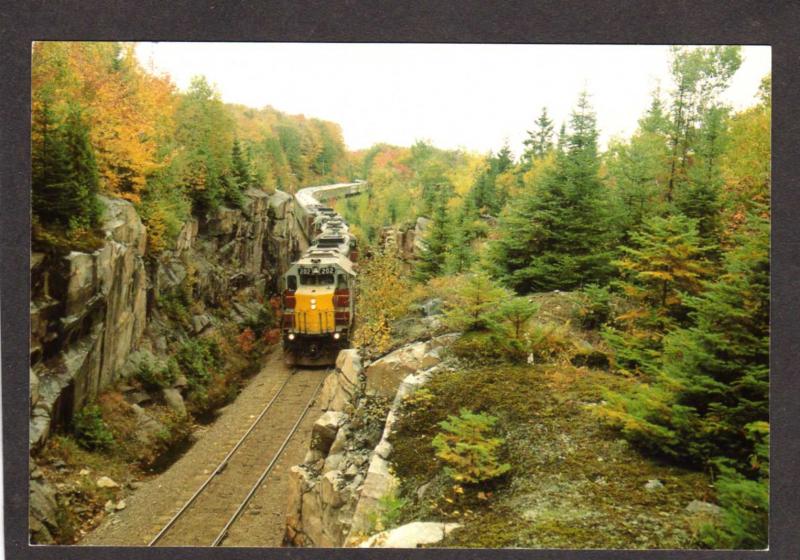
[
  {"x": 291, "y": 336},
  {"x": 313, "y": 306},
  {"x": 313, "y": 301},
  {"x": 336, "y": 336}
]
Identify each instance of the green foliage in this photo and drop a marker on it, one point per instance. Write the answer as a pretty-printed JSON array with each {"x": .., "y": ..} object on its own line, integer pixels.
[
  {"x": 432, "y": 259},
  {"x": 470, "y": 306},
  {"x": 539, "y": 141},
  {"x": 465, "y": 446},
  {"x": 744, "y": 523},
  {"x": 64, "y": 171},
  {"x": 595, "y": 308},
  {"x": 663, "y": 266},
  {"x": 262, "y": 320},
  {"x": 714, "y": 380},
  {"x": 388, "y": 513},
  {"x": 90, "y": 430},
  {"x": 153, "y": 372},
  {"x": 557, "y": 235},
  {"x": 199, "y": 359},
  {"x": 513, "y": 314}
]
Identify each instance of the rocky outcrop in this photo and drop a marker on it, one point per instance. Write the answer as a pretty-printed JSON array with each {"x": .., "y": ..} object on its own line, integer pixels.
[
  {"x": 383, "y": 376},
  {"x": 342, "y": 386},
  {"x": 335, "y": 495},
  {"x": 411, "y": 535},
  {"x": 90, "y": 311}
]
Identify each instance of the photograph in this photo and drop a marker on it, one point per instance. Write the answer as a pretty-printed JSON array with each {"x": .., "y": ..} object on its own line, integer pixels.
[{"x": 399, "y": 295}]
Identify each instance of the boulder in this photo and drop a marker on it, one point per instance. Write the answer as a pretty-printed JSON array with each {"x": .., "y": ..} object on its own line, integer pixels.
[
  {"x": 330, "y": 487},
  {"x": 378, "y": 483},
  {"x": 174, "y": 400},
  {"x": 411, "y": 535},
  {"x": 384, "y": 375},
  {"x": 704, "y": 508},
  {"x": 106, "y": 482},
  {"x": 653, "y": 485},
  {"x": 324, "y": 431},
  {"x": 199, "y": 323},
  {"x": 147, "y": 428}
]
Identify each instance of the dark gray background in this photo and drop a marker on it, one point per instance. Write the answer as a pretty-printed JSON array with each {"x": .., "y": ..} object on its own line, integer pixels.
[{"x": 566, "y": 21}]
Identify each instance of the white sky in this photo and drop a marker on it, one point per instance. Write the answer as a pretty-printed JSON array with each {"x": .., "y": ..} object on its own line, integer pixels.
[{"x": 470, "y": 96}]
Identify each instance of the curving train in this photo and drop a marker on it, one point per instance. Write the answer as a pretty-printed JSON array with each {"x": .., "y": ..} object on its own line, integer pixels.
[{"x": 318, "y": 303}]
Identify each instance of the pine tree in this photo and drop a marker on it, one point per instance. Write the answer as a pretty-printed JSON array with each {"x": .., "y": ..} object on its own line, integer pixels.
[
  {"x": 539, "y": 141},
  {"x": 714, "y": 383},
  {"x": 432, "y": 259},
  {"x": 557, "y": 236}
]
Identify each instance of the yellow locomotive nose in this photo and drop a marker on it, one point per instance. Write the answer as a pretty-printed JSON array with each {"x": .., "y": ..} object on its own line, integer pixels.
[{"x": 314, "y": 314}]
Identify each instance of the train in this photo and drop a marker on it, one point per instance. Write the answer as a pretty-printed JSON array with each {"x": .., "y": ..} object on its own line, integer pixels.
[{"x": 318, "y": 290}]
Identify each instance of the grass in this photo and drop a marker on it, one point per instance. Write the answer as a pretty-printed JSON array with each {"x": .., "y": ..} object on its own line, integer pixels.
[{"x": 573, "y": 483}]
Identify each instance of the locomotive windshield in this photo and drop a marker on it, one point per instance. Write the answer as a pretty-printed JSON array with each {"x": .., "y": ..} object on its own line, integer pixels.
[{"x": 316, "y": 279}]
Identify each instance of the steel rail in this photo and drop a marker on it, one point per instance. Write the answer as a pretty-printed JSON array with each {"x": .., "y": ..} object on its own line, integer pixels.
[
  {"x": 221, "y": 466},
  {"x": 265, "y": 473}
]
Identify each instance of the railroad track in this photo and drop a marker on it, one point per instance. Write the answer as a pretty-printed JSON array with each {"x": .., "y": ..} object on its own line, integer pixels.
[{"x": 208, "y": 515}]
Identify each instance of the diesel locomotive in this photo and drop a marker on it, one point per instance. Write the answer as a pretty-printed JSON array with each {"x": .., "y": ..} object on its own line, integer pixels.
[{"x": 318, "y": 289}]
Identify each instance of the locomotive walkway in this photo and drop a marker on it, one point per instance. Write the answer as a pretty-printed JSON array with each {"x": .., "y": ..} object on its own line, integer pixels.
[{"x": 276, "y": 438}]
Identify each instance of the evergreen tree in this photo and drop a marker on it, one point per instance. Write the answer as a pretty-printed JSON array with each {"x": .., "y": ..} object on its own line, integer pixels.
[
  {"x": 557, "y": 235},
  {"x": 65, "y": 181},
  {"x": 700, "y": 199},
  {"x": 239, "y": 179},
  {"x": 539, "y": 141},
  {"x": 432, "y": 259},
  {"x": 714, "y": 383},
  {"x": 663, "y": 265}
]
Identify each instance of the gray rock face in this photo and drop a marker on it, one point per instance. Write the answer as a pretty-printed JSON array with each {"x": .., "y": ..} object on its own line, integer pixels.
[
  {"x": 324, "y": 431},
  {"x": 383, "y": 377},
  {"x": 42, "y": 514},
  {"x": 147, "y": 427},
  {"x": 89, "y": 310},
  {"x": 341, "y": 386},
  {"x": 335, "y": 495}
]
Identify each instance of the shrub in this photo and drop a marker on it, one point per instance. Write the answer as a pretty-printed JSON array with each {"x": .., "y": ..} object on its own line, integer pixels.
[
  {"x": 464, "y": 445},
  {"x": 595, "y": 308},
  {"x": 388, "y": 512},
  {"x": 547, "y": 341},
  {"x": 745, "y": 513},
  {"x": 197, "y": 359},
  {"x": 261, "y": 321},
  {"x": 153, "y": 372},
  {"x": 90, "y": 430}
]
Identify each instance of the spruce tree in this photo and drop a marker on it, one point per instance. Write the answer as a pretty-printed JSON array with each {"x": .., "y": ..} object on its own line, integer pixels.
[
  {"x": 557, "y": 236},
  {"x": 700, "y": 198},
  {"x": 664, "y": 264},
  {"x": 713, "y": 385},
  {"x": 539, "y": 141},
  {"x": 65, "y": 181},
  {"x": 432, "y": 260}
]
